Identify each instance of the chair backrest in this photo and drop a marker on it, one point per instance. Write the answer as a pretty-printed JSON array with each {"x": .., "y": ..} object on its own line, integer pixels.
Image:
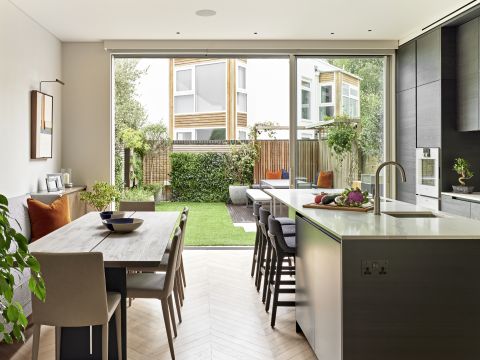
[
  {"x": 275, "y": 232},
  {"x": 183, "y": 225},
  {"x": 263, "y": 220},
  {"x": 137, "y": 206},
  {"x": 256, "y": 210},
  {"x": 172, "y": 261},
  {"x": 75, "y": 290}
]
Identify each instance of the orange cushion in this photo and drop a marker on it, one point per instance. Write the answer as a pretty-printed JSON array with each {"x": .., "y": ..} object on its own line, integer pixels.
[
  {"x": 274, "y": 175},
  {"x": 47, "y": 218},
  {"x": 325, "y": 180}
]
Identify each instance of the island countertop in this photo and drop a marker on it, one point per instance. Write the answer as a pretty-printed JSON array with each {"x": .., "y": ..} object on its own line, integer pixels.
[{"x": 347, "y": 225}]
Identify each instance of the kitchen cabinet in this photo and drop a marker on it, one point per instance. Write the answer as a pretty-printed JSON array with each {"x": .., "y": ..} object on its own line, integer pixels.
[
  {"x": 429, "y": 64},
  {"x": 455, "y": 206},
  {"x": 406, "y": 143},
  {"x": 468, "y": 76},
  {"x": 429, "y": 115},
  {"x": 475, "y": 211},
  {"x": 406, "y": 66}
]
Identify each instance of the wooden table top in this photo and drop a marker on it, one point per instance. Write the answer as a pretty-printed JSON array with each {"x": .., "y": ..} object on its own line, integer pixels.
[{"x": 143, "y": 247}]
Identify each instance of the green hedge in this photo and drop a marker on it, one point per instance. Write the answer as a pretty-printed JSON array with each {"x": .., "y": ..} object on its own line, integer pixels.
[{"x": 200, "y": 177}]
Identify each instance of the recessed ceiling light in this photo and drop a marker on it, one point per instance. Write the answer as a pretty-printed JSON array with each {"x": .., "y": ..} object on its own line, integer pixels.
[
  {"x": 255, "y": 33},
  {"x": 206, "y": 12},
  {"x": 178, "y": 32},
  {"x": 332, "y": 33},
  {"x": 369, "y": 30}
]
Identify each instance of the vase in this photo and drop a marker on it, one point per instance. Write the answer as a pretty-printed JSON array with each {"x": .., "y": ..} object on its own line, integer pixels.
[{"x": 238, "y": 194}]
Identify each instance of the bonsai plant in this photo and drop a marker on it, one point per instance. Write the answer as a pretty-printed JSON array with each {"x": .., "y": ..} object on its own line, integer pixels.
[
  {"x": 462, "y": 168},
  {"x": 15, "y": 258},
  {"x": 101, "y": 196},
  {"x": 243, "y": 159}
]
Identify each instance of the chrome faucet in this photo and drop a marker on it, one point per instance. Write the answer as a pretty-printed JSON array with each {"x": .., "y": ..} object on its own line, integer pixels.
[{"x": 376, "y": 201}]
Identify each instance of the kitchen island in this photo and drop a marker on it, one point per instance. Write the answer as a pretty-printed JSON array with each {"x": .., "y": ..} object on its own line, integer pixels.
[{"x": 386, "y": 287}]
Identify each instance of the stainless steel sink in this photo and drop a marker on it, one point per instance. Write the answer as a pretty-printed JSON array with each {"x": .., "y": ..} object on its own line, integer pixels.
[{"x": 411, "y": 214}]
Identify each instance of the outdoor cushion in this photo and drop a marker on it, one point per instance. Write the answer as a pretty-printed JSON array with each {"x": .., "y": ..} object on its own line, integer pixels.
[
  {"x": 47, "y": 218},
  {"x": 274, "y": 175},
  {"x": 325, "y": 180},
  {"x": 285, "y": 174}
]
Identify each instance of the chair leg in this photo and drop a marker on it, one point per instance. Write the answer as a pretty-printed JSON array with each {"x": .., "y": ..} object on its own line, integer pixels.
[
  {"x": 182, "y": 270},
  {"x": 166, "y": 319},
  {"x": 177, "y": 301},
  {"x": 36, "y": 341},
  {"x": 276, "y": 289},
  {"x": 58, "y": 341},
  {"x": 273, "y": 266},
  {"x": 267, "y": 270},
  {"x": 261, "y": 255},
  {"x": 172, "y": 315},
  {"x": 105, "y": 341},
  {"x": 180, "y": 288},
  {"x": 118, "y": 328},
  {"x": 255, "y": 252}
]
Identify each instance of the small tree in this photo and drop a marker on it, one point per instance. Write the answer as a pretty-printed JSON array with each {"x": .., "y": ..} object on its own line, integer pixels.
[
  {"x": 462, "y": 168},
  {"x": 243, "y": 159}
]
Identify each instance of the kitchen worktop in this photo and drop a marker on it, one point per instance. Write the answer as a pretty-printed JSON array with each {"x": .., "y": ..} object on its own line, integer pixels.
[
  {"x": 346, "y": 225},
  {"x": 470, "y": 197}
]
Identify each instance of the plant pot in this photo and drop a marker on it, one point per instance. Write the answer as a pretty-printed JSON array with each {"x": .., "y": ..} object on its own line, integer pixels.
[
  {"x": 238, "y": 194},
  {"x": 158, "y": 196},
  {"x": 462, "y": 189}
]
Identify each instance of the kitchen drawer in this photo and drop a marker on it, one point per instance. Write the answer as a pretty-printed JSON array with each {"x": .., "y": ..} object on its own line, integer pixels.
[
  {"x": 455, "y": 206},
  {"x": 475, "y": 210}
]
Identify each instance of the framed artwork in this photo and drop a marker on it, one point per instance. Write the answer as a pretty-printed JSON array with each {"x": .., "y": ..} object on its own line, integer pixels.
[
  {"x": 54, "y": 182},
  {"x": 41, "y": 125}
]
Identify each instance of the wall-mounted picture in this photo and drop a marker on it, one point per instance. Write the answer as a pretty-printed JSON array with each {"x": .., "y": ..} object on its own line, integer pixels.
[{"x": 42, "y": 125}]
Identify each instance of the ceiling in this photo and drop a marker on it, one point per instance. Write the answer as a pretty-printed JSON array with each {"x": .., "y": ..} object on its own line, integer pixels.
[{"x": 94, "y": 20}]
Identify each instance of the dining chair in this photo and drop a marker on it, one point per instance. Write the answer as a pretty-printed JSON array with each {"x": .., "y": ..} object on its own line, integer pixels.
[
  {"x": 159, "y": 286},
  {"x": 76, "y": 297},
  {"x": 136, "y": 206}
]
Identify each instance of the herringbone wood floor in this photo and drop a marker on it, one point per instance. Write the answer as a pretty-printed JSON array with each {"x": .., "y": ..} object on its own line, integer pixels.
[{"x": 223, "y": 318}]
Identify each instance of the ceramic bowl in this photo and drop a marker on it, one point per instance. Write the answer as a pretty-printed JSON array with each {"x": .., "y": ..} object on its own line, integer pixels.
[
  {"x": 123, "y": 225},
  {"x": 105, "y": 215}
]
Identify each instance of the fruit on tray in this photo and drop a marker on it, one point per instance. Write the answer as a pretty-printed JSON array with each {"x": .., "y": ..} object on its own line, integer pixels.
[
  {"x": 319, "y": 197},
  {"x": 353, "y": 197},
  {"x": 328, "y": 199}
]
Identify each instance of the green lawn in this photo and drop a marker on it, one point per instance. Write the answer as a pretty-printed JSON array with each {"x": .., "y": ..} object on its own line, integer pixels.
[{"x": 210, "y": 224}]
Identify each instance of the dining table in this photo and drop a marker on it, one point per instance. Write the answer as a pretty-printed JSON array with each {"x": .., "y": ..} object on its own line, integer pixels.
[{"x": 143, "y": 247}]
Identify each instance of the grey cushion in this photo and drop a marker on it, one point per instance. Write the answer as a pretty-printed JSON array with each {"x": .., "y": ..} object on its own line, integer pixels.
[
  {"x": 19, "y": 212},
  {"x": 285, "y": 220},
  {"x": 289, "y": 230},
  {"x": 291, "y": 241}
]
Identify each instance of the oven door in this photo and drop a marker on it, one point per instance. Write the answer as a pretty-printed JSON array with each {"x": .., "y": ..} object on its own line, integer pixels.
[{"x": 428, "y": 172}]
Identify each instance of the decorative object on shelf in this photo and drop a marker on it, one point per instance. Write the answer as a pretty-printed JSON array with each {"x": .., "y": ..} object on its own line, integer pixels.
[
  {"x": 15, "y": 259},
  {"x": 41, "y": 125},
  {"x": 101, "y": 196},
  {"x": 54, "y": 182},
  {"x": 67, "y": 178},
  {"x": 462, "y": 168},
  {"x": 106, "y": 215},
  {"x": 123, "y": 225}
]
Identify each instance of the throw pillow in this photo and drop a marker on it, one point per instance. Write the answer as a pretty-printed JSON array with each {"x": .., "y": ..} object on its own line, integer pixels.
[
  {"x": 325, "y": 180},
  {"x": 274, "y": 175},
  {"x": 285, "y": 174},
  {"x": 47, "y": 218}
]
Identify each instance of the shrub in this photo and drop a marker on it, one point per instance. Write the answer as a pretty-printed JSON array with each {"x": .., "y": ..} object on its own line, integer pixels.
[{"x": 200, "y": 177}]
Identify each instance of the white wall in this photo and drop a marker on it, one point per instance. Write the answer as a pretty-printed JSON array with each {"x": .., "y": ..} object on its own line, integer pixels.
[
  {"x": 29, "y": 54},
  {"x": 86, "y": 112}
]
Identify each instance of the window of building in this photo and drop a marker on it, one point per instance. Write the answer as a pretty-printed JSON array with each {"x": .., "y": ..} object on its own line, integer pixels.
[
  {"x": 210, "y": 134},
  {"x": 241, "y": 88},
  {"x": 184, "y": 135},
  {"x": 350, "y": 100},
  {"x": 200, "y": 88},
  {"x": 242, "y": 135},
  {"x": 326, "y": 101},
  {"x": 306, "y": 99}
]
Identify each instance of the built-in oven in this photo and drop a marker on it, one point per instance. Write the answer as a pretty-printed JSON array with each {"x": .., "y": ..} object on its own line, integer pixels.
[{"x": 428, "y": 177}]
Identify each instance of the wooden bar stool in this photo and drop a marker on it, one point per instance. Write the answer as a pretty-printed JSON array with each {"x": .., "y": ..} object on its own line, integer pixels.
[{"x": 283, "y": 247}]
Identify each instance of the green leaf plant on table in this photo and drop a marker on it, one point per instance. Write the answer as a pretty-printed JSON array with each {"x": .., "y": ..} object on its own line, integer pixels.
[{"x": 14, "y": 259}]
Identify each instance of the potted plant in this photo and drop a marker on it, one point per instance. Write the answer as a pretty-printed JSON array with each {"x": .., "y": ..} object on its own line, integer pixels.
[
  {"x": 156, "y": 190},
  {"x": 101, "y": 196},
  {"x": 243, "y": 159},
  {"x": 462, "y": 168},
  {"x": 15, "y": 258}
]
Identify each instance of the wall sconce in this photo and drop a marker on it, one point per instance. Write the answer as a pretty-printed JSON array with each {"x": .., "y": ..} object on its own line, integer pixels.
[{"x": 51, "y": 81}]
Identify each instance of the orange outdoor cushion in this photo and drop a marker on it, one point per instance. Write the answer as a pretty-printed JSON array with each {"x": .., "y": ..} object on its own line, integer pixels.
[
  {"x": 47, "y": 218},
  {"x": 325, "y": 180},
  {"x": 274, "y": 175}
]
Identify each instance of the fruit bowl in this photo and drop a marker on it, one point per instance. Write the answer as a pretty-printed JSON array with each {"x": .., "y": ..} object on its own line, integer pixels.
[
  {"x": 123, "y": 225},
  {"x": 105, "y": 215}
]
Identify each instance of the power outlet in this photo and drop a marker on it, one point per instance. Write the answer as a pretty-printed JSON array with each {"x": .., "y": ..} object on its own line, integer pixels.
[{"x": 374, "y": 267}]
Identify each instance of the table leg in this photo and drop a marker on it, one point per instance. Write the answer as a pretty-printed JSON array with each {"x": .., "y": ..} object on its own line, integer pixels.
[{"x": 76, "y": 341}]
